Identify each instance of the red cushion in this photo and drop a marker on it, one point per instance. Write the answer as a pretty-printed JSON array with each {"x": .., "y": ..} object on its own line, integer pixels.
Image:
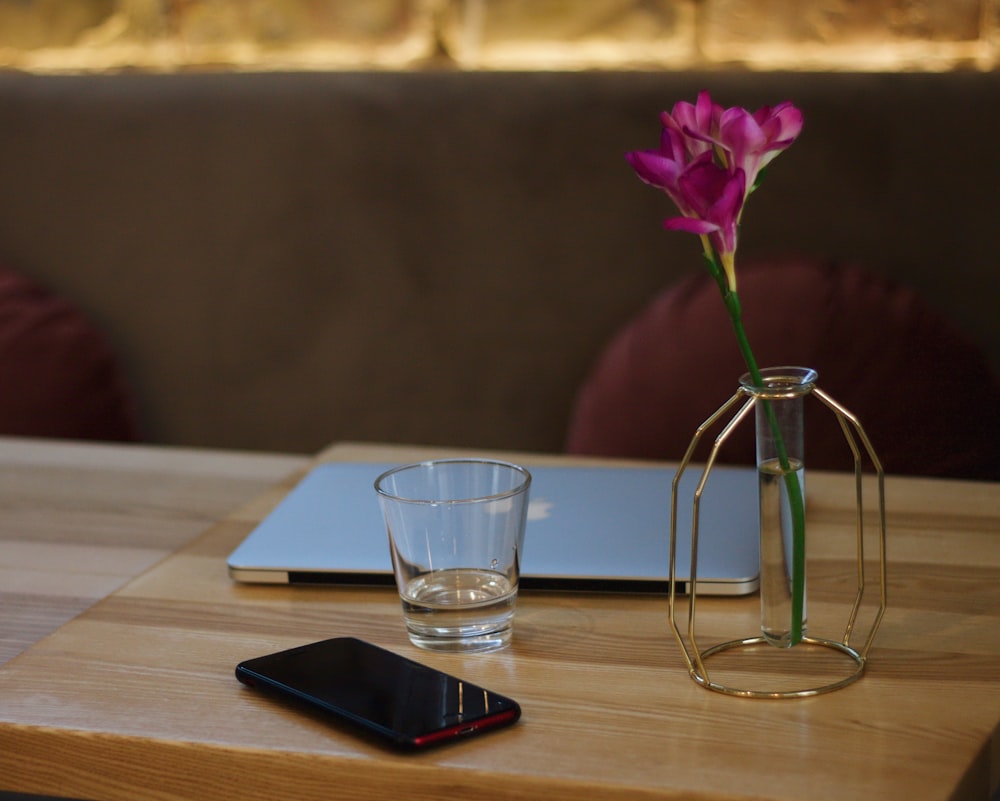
[
  {"x": 922, "y": 391},
  {"x": 58, "y": 374}
]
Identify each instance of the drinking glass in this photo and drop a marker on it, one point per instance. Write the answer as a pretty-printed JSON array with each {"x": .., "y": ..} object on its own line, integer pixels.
[{"x": 456, "y": 535}]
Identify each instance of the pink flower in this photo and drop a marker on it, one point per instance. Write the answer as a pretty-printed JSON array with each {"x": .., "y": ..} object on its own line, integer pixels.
[
  {"x": 711, "y": 203},
  {"x": 709, "y": 160},
  {"x": 662, "y": 168},
  {"x": 696, "y": 124},
  {"x": 753, "y": 140}
]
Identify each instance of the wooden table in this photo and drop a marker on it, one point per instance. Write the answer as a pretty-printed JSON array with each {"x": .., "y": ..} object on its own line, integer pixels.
[
  {"x": 135, "y": 697},
  {"x": 77, "y": 521}
]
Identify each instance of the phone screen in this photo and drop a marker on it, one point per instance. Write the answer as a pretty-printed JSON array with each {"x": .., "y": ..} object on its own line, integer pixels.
[{"x": 410, "y": 704}]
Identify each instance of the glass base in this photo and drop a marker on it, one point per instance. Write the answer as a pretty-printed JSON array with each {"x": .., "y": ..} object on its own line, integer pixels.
[
  {"x": 783, "y": 638},
  {"x": 477, "y": 644}
]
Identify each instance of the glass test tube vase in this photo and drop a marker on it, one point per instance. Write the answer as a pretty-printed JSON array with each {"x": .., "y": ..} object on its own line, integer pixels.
[{"x": 826, "y": 664}]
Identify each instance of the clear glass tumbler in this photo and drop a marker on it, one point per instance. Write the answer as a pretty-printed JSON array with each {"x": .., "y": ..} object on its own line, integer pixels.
[{"x": 456, "y": 535}]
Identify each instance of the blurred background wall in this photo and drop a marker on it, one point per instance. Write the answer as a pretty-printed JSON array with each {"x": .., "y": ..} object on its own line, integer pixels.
[{"x": 844, "y": 35}]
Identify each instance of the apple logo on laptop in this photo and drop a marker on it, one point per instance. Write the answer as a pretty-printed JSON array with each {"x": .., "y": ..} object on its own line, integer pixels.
[{"x": 539, "y": 509}]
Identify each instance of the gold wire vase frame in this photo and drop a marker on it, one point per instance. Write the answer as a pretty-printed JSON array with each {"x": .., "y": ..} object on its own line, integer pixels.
[{"x": 697, "y": 657}]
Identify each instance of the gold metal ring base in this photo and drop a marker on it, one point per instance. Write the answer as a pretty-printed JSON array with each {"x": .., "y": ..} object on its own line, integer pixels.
[{"x": 857, "y": 664}]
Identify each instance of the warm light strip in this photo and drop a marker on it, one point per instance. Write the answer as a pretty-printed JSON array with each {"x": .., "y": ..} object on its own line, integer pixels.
[{"x": 911, "y": 56}]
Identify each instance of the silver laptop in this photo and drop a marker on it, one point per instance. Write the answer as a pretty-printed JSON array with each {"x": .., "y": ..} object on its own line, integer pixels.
[{"x": 589, "y": 529}]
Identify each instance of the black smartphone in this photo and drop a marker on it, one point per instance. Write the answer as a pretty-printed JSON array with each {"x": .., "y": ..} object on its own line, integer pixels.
[{"x": 408, "y": 704}]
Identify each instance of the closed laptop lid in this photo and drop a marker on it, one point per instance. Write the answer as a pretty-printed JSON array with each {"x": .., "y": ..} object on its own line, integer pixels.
[{"x": 589, "y": 528}]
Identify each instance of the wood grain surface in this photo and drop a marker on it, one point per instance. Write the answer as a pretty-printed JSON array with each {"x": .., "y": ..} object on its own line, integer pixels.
[
  {"x": 77, "y": 521},
  {"x": 135, "y": 698}
]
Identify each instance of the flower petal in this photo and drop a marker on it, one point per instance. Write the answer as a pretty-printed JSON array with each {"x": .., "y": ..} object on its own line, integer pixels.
[
  {"x": 692, "y": 225},
  {"x": 654, "y": 168},
  {"x": 753, "y": 140},
  {"x": 716, "y": 196},
  {"x": 783, "y": 123},
  {"x": 694, "y": 124}
]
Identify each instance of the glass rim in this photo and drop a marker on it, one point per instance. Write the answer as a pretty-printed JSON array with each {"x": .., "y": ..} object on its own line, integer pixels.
[
  {"x": 520, "y": 488},
  {"x": 781, "y": 382}
]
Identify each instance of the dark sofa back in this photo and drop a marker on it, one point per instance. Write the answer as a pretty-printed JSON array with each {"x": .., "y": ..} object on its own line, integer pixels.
[{"x": 284, "y": 260}]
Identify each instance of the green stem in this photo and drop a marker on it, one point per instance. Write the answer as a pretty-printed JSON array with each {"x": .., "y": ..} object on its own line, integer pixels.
[{"x": 792, "y": 485}]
